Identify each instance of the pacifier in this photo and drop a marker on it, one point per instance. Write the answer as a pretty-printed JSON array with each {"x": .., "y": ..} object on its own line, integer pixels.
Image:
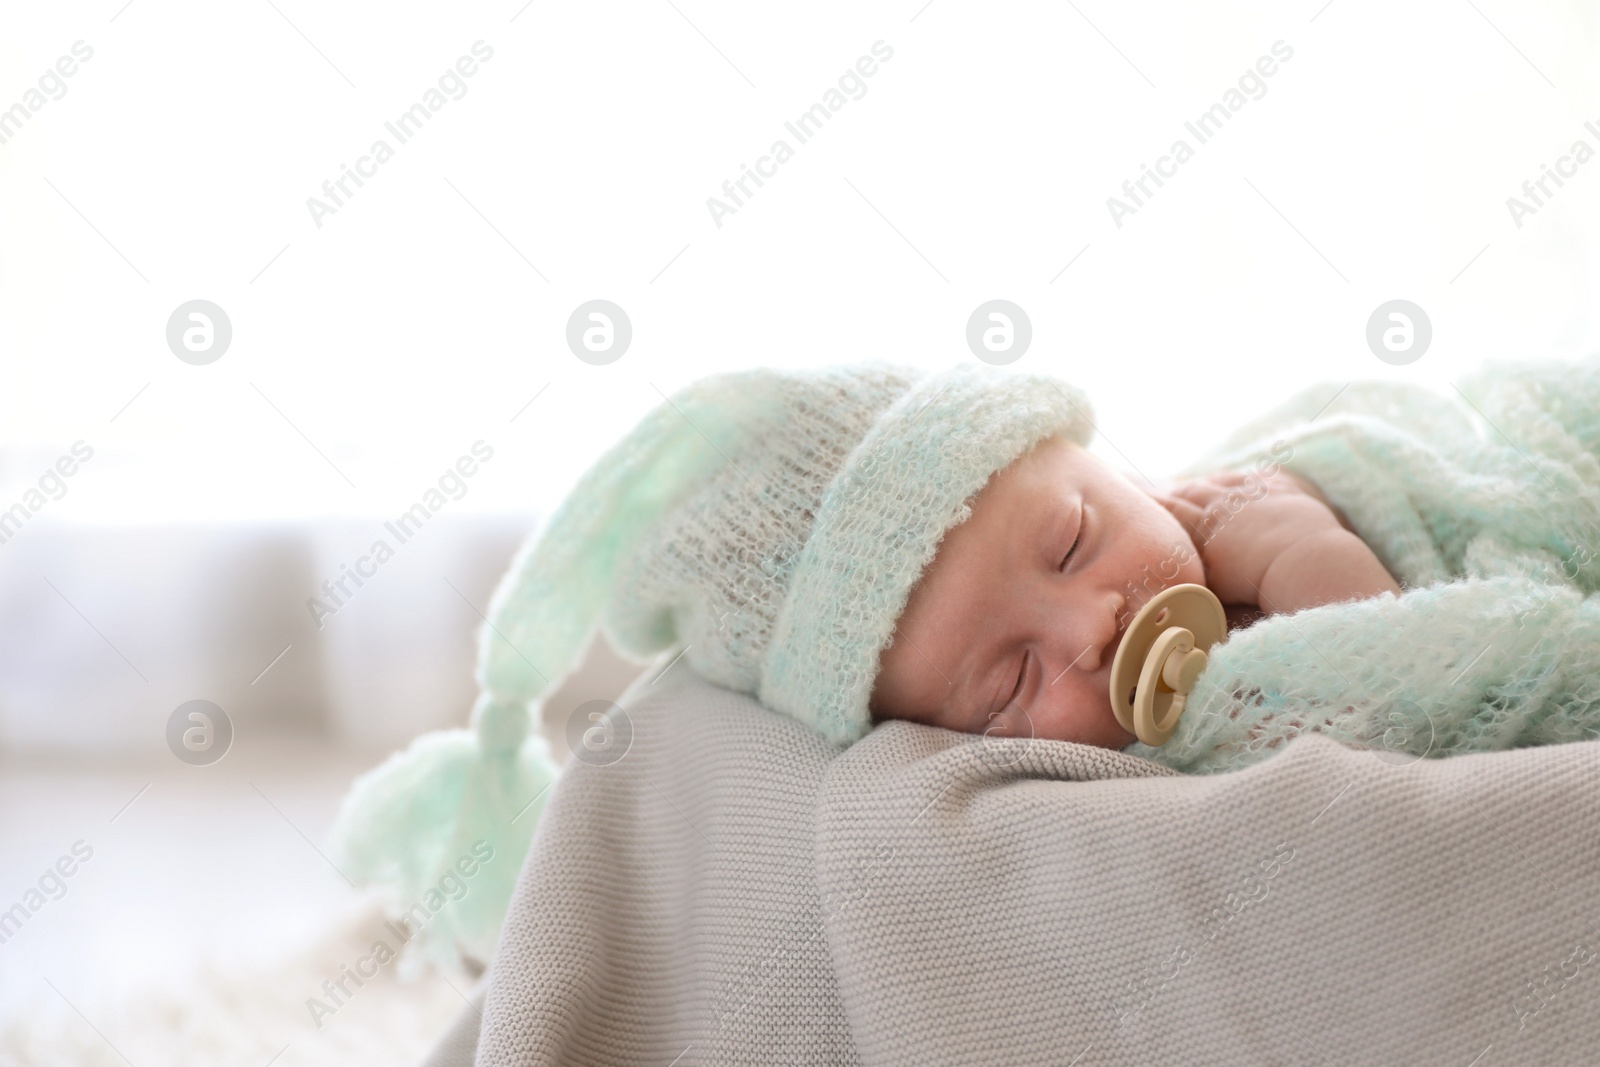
[{"x": 1162, "y": 652}]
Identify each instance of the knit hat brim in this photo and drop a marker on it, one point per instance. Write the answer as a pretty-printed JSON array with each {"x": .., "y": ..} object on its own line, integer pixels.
[{"x": 879, "y": 525}]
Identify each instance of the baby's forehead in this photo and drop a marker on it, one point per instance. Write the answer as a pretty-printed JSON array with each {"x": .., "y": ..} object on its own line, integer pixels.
[{"x": 1051, "y": 463}]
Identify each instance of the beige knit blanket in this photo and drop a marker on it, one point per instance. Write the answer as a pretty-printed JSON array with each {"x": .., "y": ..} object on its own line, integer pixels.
[{"x": 735, "y": 890}]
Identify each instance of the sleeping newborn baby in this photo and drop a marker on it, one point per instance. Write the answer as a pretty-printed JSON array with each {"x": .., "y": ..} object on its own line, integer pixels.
[
  {"x": 1012, "y": 629},
  {"x": 770, "y": 528}
]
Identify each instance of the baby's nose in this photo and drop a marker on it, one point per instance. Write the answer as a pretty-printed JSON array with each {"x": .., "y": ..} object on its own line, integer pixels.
[{"x": 1103, "y": 641}]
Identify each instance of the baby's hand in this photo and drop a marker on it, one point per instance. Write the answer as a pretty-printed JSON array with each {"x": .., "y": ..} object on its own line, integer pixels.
[{"x": 1242, "y": 521}]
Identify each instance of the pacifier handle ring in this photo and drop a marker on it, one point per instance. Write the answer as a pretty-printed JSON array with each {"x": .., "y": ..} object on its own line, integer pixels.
[
  {"x": 1172, "y": 647},
  {"x": 1161, "y": 654},
  {"x": 1169, "y": 723}
]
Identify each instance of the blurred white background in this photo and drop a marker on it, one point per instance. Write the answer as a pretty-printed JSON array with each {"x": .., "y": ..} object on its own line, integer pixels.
[
  {"x": 429, "y": 311},
  {"x": 422, "y": 315}
]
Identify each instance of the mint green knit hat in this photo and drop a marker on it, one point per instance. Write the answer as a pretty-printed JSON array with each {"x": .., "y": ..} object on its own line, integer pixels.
[{"x": 771, "y": 524}]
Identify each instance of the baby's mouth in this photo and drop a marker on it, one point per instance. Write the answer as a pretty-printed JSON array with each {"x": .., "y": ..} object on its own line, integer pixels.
[{"x": 1123, "y": 619}]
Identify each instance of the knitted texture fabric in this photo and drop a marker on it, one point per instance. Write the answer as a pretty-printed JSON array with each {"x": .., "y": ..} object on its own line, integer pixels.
[
  {"x": 713, "y": 573},
  {"x": 771, "y": 523},
  {"x": 1486, "y": 509},
  {"x": 736, "y": 891}
]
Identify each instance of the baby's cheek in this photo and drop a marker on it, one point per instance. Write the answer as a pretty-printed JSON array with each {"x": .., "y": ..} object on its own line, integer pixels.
[
  {"x": 1082, "y": 716},
  {"x": 1186, "y": 564}
]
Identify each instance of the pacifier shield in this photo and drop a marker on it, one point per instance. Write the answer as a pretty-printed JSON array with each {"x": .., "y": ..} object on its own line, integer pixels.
[{"x": 1139, "y": 695}]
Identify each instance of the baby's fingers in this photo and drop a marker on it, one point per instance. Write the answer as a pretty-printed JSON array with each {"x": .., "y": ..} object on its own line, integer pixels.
[
  {"x": 1185, "y": 511},
  {"x": 1232, "y": 478},
  {"x": 1201, "y": 491}
]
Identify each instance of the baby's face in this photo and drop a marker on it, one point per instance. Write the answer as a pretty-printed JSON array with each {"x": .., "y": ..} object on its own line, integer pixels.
[{"x": 1005, "y": 633}]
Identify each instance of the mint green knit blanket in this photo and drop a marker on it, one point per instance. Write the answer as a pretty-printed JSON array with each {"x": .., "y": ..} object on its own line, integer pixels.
[{"x": 1483, "y": 500}]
